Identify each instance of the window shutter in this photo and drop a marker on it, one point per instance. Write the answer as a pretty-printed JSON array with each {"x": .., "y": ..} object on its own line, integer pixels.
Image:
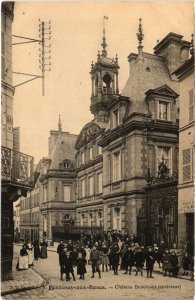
[{"x": 186, "y": 165}]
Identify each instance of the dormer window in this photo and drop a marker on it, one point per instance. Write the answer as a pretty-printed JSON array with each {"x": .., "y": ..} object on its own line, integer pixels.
[{"x": 115, "y": 118}]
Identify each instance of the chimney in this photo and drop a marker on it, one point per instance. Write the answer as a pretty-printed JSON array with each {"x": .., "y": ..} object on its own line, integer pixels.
[
  {"x": 131, "y": 59},
  {"x": 173, "y": 49}
]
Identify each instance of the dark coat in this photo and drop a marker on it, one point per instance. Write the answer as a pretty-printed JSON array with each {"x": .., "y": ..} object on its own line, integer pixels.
[
  {"x": 174, "y": 263},
  {"x": 60, "y": 252},
  {"x": 115, "y": 254},
  {"x": 81, "y": 269},
  {"x": 186, "y": 262},
  {"x": 150, "y": 260},
  {"x": 131, "y": 257},
  {"x": 37, "y": 252},
  {"x": 139, "y": 259},
  {"x": 67, "y": 265},
  {"x": 94, "y": 254},
  {"x": 166, "y": 261},
  {"x": 158, "y": 256}
]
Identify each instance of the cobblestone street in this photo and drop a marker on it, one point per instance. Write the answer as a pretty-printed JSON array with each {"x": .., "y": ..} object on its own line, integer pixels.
[{"x": 108, "y": 287}]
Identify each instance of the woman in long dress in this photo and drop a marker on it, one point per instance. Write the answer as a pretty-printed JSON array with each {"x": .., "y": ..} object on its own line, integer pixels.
[
  {"x": 23, "y": 259},
  {"x": 29, "y": 248},
  {"x": 44, "y": 246},
  {"x": 36, "y": 250}
]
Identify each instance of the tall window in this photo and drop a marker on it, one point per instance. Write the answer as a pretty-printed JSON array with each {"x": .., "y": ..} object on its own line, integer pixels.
[
  {"x": 83, "y": 188},
  {"x": 166, "y": 153},
  {"x": 83, "y": 157},
  {"x": 44, "y": 194},
  {"x": 164, "y": 111},
  {"x": 191, "y": 106},
  {"x": 116, "y": 166},
  {"x": 67, "y": 193},
  {"x": 90, "y": 153},
  {"x": 99, "y": 150},
  {"x": 91, "y": 185},
  {"x": 186, "y": 164},
  {"x": 115, "y": 117},
  {"x": 99, "y": 182},
  {"x": 117, "y": 218},
  {"x": 90, "y": 219},
  {"x": 82, "y": 219},
  {"x": 99, "y": 218}
]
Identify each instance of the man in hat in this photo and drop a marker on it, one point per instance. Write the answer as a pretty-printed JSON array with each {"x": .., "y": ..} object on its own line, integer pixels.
[
  {"x": 115, "y": 251},
  {"x": 60, "y": 250},
  {"x": 150, "y": 260}
]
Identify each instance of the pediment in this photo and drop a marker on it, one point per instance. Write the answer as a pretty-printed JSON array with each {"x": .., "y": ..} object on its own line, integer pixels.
[
  {"x": 88, "y": 132},
  {"x": 164, "y": 90}
]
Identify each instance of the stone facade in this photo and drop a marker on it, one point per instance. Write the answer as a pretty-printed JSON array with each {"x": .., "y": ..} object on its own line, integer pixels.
[
  {"x": 140, "y": 130},
  {"x": 185, "y": 75},
  {"x": 53, "y": 199},
  {"x": 16, "y": 167}
]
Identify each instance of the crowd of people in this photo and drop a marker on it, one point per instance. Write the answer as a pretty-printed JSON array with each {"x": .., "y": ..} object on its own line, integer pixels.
[
  {"x": 29, "y": 252},
  {"x": 113, "y": 252}
]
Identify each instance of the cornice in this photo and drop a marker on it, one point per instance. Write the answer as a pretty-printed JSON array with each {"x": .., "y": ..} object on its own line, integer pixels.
[
  {"x": 90, "y": 163},
  {"x": 119, "y": 131}
]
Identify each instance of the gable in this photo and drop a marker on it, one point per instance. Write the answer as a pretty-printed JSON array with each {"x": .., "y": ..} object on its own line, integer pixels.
[
  {"x": 88, "y": 132},
  {"x": 164, "y": 90}
]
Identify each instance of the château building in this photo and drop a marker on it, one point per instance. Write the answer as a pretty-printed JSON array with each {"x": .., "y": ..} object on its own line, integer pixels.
[{"x": 137, "y": 130}]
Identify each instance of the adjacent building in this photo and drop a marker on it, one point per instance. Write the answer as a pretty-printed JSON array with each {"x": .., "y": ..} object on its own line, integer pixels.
[
  {"x": 185, "y": 74},
  {"x": 53, "y": 200},
  {"x": 16, "y": 167}
]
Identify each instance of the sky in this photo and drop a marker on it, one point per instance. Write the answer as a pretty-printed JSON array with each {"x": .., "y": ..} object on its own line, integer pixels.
[{"x": 76, "y": 39}]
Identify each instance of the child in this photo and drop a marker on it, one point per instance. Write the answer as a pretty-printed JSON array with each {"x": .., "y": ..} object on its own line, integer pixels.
[
  {"x": 139, "y": 261},
  {"x": 166, "y": 262},
  {"x": 104, "y": 257},
  {"x": 87, "y": 250},
  {"x": 150, "y": 260},
  {"x": 81, "y": 269},
  {"x": 174, "y": 264},
  {"x": 66, "y": 265}
]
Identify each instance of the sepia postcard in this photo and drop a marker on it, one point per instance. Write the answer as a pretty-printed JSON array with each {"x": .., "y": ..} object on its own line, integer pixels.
[{"x": 97, "y": 150}]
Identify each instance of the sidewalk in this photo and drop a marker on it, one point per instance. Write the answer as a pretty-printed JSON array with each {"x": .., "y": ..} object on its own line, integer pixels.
[
  {"x": 159, "y": 271},
  {"x": 23, "y": 280}
]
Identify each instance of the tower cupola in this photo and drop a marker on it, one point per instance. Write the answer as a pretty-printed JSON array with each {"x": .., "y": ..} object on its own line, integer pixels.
[{"x": 104, "y": 77}]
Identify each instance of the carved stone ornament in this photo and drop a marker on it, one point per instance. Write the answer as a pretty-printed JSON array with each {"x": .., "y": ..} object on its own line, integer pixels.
[{"x": 88, "y": 132}]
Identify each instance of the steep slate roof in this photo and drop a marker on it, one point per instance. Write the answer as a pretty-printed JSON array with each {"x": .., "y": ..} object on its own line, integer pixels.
[
  {"x": 146, "y": 72},
  {"x": 64, "y": 148}
]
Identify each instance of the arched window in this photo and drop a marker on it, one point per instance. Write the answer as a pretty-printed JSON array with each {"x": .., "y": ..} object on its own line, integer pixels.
[{"x": 107, "y": 80}]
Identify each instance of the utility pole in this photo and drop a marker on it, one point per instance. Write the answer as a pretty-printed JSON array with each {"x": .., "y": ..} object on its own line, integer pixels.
[{"x": 44, "y": 52}]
